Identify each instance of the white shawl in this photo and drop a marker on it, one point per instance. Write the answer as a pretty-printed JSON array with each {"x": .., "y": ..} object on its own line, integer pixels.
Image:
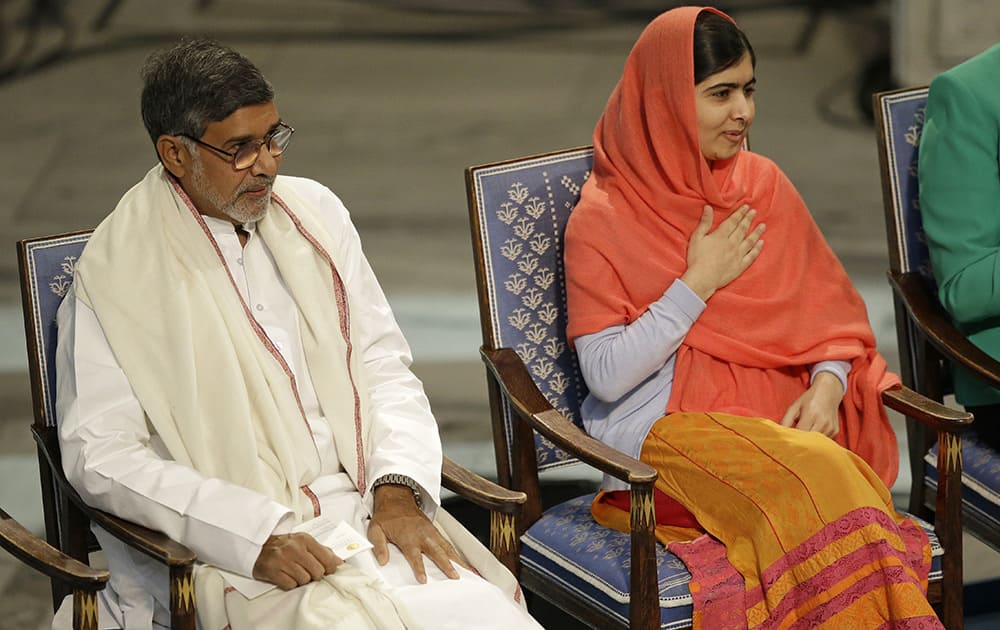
[{"x": 229, "y": 410}]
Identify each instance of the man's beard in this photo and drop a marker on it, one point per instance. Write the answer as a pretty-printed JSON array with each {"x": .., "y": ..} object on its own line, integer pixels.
[{"x": 241, "y": 209}]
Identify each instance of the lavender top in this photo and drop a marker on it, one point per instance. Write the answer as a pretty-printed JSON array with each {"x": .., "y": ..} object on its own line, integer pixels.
[{"x": 629, "y": 369}]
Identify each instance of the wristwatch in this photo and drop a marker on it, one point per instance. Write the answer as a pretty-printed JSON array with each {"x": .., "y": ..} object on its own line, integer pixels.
[{"x": 401, "y": 480}]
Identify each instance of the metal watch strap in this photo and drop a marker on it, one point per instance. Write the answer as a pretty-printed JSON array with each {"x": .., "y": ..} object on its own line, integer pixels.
[{"x": 401, "y": 480}]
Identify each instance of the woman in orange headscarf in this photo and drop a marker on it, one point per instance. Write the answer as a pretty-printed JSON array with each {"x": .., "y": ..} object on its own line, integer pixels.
[{"x": 745, "y": 373}]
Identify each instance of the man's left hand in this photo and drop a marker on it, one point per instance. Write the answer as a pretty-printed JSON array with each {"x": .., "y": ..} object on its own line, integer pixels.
[
  {"x": 396, "y": 519},
  {"x": 816, "y": 409}
]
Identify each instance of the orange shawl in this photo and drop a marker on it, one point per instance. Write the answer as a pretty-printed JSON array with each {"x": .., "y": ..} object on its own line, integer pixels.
[{"x": 750, "y": 352}]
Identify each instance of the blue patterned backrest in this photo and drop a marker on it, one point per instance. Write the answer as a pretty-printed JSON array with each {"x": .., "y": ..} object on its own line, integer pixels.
[
  {"x": 47, "y": 266},
  {"x": 520, "y": 211},
  {"x": 902, "y": 114}
]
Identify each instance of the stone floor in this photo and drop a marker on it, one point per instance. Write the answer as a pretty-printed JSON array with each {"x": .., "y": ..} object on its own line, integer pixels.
[{"x": 391, "y": 103}]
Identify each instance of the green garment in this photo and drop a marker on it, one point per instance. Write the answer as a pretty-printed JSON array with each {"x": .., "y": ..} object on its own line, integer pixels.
[{"x": 959, "y": 173}]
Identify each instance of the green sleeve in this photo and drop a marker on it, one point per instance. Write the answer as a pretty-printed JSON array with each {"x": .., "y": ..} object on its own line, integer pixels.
[{"x": 960, "y": 196}]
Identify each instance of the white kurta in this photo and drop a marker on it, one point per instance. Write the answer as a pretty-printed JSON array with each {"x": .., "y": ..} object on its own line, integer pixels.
[{"x": 113, "y": 460}]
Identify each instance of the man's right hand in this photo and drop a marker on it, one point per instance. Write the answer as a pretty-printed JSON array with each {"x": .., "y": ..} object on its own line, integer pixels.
[
  {"x": 290, "y": 560},
  {"x": 716, "y": 258}
]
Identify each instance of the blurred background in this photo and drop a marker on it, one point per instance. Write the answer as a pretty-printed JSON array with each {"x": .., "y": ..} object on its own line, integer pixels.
[{"x": 392, "y": 99}]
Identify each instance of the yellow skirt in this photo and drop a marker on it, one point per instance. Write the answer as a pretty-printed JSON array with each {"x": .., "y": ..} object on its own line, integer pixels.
[{"x": 798, "y": 531}]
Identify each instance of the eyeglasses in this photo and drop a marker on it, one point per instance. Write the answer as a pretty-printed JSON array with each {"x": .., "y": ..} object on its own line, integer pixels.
[{"x": 246, "y": 154}]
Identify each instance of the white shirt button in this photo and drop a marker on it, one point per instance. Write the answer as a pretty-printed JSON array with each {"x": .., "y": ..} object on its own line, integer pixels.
[
  {"x": 239, "y": 261},
  {"x": 260, "y": 307}
]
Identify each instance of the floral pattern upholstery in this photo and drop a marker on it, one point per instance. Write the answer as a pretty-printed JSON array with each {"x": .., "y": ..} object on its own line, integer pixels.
[
  {"x": 49, "y": 264},
  {"x": 523, "y": 208}
]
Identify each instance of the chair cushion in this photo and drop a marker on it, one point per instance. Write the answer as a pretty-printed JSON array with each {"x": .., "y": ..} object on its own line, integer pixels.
[
  {"x": 571, "y": 550},
  {"x": 980, "y": 480}
]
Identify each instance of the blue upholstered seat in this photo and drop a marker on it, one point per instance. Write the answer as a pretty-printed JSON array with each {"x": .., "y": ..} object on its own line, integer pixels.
[
  {"x": 568, "y": 547},
  {"x": 980, "y": 482}
]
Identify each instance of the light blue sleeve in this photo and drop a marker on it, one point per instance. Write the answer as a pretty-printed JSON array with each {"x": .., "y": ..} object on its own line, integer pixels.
[
  {"x": 840, "y": 369},
  {"x": 619, "y": 358}
]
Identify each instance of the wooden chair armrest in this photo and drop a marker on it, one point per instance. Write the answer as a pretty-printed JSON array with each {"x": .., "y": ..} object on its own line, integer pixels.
[
  {"x": 178, "y": 559},
  {"x": 947, "y": 501},
  {"x": 940, "y": 332},
  {"x": 153, "y": 543},
  {"x": 529, "y": 403},
  {"x": 39, "y": 555},
  {"x": 479, "y": 490},
  {"x": 926, "y": 411},
  {"x": 505, "y": 506}
]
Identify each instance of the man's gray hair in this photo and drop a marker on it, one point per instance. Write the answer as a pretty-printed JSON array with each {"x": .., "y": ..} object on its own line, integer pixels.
[{"x": 196, "y": 82}]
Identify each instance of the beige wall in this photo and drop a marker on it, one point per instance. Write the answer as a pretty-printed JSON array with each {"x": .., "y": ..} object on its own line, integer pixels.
[{"x": 932, "y": 35}]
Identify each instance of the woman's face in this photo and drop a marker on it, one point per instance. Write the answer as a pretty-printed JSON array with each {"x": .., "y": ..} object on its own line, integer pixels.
[{"x": 725, "y": 108}]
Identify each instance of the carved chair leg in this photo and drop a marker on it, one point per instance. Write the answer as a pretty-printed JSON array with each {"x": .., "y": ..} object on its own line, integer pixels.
[
  {"x": 947, "y": 517},
  {"x": 503, "y": 541},
  {"x": 85, "y": 610},
  {"x": 645, "y": 608},
  {"x": 182, "y": 605}
]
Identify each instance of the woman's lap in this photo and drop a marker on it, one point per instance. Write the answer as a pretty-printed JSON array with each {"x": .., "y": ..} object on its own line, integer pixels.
[
  {"x": 807, "y": 525},
  {"x": 749, "y": 477}
]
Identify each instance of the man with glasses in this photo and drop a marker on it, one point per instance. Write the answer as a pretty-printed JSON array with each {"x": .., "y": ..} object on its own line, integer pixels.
[{"x": 230, "y": 374}]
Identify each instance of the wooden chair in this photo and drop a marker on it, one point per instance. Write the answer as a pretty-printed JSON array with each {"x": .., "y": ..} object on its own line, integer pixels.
[
  {"x": 518, "y": 212},
  {"x": 84, "y": 581},
  {"x": 929, "y": 344},
  {"x": 46, "y": 270}
]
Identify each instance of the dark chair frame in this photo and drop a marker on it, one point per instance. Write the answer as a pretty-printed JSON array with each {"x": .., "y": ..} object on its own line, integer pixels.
[
  {"x": 929, "y": 343},
  {"x": 511, "y": 386},
  {"x": 68, "y": 517}
]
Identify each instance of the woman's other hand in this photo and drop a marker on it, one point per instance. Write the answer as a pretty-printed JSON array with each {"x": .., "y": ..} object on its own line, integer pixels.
[
  {"x": 717, "y": 257},
  {"x": 816, "y": 409}
]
